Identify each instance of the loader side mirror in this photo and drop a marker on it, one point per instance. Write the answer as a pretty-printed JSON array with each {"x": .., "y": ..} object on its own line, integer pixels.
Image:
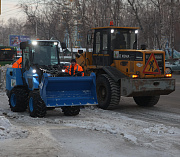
[
  {"x": 23, "y": 45},
  {"x": 63, "y": 45}
]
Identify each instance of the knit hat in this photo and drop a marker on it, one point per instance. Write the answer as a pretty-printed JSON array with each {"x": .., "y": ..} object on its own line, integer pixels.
[{"x": 73, "y": 60}]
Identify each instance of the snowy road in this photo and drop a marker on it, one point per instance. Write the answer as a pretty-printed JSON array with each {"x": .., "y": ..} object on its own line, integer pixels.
[
  {"x": 128, "y": 131},
  {"x": 167, "y": 111}
]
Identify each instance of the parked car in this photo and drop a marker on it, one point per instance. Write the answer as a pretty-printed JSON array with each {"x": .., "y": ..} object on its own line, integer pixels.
[{"x": 171, "y": 67}]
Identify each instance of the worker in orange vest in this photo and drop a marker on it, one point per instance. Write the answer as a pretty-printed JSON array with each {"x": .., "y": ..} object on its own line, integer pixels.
[
  {"x": 74, "y": 69},
  {"x": 17, "y": 64}
]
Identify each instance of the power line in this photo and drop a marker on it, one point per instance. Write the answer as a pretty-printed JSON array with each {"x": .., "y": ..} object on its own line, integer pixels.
[{"x": 10, "y": 10}]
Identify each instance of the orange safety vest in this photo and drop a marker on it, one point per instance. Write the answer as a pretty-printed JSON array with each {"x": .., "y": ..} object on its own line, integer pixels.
[
  {"x": 76, "y": 69},
  {"x": 17, "y": 64}
]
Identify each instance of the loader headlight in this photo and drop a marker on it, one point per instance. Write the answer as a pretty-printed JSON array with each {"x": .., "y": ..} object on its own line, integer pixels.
[
  {"x": 168, "y": 75},
  {"x": 136, "y": 31},
  {"x": 34, "y": 71},
  {"x": 135, "y": 76},
  {"x": 112, "y": 30}
]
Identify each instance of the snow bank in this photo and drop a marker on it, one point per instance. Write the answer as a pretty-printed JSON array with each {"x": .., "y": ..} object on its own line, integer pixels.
[
  {"x": 3, "y": 76},
  {"x": 7, "y": 130}
]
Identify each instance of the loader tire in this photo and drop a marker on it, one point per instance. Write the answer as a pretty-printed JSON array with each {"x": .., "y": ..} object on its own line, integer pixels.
[
  {"x": 108, "y": 92},
  {"x": 18, "y": 99},
  {"x": 71, "y": 110},
  {"x": 146, "y": 101},
  {"x": 37, "y": 107}
]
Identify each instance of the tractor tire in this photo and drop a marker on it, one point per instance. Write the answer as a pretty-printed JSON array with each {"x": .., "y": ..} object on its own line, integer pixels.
[
  {"x": 18, "y": 99},
  {"x": 37, "y": 107},
  {"x": 71, "y": 110},
  {"x": 108, "y": 92},
  {"x": 146, "y": 101}
]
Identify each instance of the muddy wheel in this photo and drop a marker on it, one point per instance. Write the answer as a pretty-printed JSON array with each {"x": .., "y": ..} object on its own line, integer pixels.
[
  {"x": 18, "y": 99},
  {"x": 108, "y": 92},
  {"x": 37, "y": 107},
  {"x": 146, "y": 101},
  {"x": 71, "y": 110}
]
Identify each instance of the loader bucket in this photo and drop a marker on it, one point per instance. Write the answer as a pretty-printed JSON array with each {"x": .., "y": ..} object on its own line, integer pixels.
[{"x": 68, "y": 91}]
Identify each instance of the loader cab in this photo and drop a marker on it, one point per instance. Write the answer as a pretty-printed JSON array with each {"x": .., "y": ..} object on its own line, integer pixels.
[
  {"x": 110, "y": 39},
  {"x": 40, "y": 52}
]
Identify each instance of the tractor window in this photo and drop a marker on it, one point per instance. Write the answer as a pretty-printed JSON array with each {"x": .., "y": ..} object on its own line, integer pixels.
[
  {"x": 123, "y": 39},
  {"x": 26, "y": 62},
  {"x": 118, "y": 40},
  {"x": 105, "y": 42},
  {"x": 45, "y": 55},
  {"x": 97, "y": 42}
]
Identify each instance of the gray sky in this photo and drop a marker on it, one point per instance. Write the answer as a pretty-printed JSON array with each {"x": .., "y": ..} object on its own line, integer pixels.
[{"x": 10, "y": 9}]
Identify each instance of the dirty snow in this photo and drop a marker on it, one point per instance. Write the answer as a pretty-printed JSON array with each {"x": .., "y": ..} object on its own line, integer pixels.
[
  {"x": 8, "y": 131},
  {"x": 152, "y": 135},
  {"x": 3, "y": 76}
]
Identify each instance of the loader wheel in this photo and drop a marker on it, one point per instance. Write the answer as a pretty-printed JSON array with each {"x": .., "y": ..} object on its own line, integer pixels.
[
  {"x": 71, "y": 110},
  {"x": 37, "y": 107},
  {"x": 108, "y": 92},
  {"x": 18, "y": 99},
  {"x": 146, "y": 101}
]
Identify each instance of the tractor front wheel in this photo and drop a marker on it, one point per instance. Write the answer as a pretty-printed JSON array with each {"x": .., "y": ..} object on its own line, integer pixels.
[
  {"x": 71, "y": 110},
  {"x": 18, "y": 99},
  {"x": 146, "y": 101},
  {"x": 37, "y": 107}
]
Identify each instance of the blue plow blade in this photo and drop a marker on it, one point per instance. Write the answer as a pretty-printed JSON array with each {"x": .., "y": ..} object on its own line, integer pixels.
[{"x": 68, "y": 91}]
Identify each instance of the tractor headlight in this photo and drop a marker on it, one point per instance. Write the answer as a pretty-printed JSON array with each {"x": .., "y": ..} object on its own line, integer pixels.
[
  {"x": 136, "y": 31},
  {"x": 34, "y": 42},
  {"x": 34, "y": 71},
  {"x": 55, "y": 43}
]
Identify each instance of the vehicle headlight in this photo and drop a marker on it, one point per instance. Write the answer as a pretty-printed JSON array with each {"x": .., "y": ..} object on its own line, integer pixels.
[
  {"x": 34, "y": 42},
  {"x": 63, "y": 70},
  {"x": 34, "y": 71}
]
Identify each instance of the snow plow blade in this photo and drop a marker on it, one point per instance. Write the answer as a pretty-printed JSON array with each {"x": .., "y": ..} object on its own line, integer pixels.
[{"x": 68, "y": 91}]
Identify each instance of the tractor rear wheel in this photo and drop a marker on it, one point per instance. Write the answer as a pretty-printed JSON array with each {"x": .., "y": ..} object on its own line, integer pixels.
[
  {"x": 18, "y": 99},
  {"x": 146, "y": 101},
  {"x": 108, "y": 92},
  {"x": 71, "y": 110},
  {"x": 37, "y": 107}
]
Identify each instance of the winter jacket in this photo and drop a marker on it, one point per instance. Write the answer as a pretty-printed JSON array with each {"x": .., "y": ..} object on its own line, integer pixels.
[
  {"x": 17, "y": 64},
  {"x": 77, "y": 70}
]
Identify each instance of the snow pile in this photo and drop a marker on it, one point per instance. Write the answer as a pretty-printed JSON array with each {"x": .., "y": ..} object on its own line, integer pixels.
[
  {"x": 7, "y": 130},
  {"x": 3, "y": 76}
]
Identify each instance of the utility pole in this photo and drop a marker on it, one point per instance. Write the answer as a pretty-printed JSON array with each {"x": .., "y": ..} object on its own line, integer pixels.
[{"x": 172, "y": 27}]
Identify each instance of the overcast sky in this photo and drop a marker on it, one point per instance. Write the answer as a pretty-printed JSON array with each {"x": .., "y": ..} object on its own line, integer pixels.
[{"x": 10, "y": 9}]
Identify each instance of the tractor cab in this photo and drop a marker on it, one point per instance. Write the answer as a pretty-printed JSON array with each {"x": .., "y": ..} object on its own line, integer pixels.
[
  {"x": 40, "y": 52},
  {"x": 108, "y": 39}
]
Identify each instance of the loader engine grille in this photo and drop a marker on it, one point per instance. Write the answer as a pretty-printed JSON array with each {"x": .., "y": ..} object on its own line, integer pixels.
[{"x": 160, "y": 60}]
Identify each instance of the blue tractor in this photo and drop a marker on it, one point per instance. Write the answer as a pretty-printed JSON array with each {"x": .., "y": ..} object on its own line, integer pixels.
[{"x": 41, "y": 85}]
